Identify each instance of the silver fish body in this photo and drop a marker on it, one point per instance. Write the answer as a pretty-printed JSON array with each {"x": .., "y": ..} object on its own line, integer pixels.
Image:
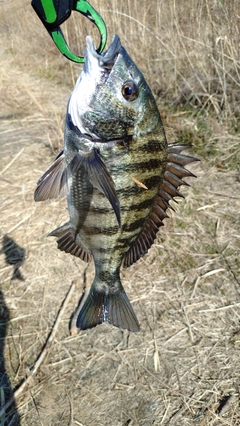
[{"x": 119, "y": 175}]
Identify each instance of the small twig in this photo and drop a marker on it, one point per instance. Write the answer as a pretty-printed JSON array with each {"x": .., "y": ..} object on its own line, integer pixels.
[
  {"x": 18, "y": 224},
  {"x": 43, "y": 353},
  {"x": 138, "y": 183},
  {"x": 12, "y": 161},
  {"x": 189, "y": 326},
  {"x": 74, "y": 330},
  {"x": 221, "y": 308}
]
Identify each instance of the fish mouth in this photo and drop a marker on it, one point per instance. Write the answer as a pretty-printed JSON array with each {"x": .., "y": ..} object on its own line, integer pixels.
[{"x": 106, "y": 59}]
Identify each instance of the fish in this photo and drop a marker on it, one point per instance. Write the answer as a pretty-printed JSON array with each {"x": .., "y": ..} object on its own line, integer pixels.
[{"x": 119, "y": 175}]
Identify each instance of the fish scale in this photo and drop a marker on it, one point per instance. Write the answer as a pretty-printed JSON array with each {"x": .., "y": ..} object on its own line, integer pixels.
[{"x": 119, "y": 175}]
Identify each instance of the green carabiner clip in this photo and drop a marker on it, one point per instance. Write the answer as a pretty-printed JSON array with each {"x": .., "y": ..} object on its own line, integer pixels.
[{"x": 54, "y": 12}]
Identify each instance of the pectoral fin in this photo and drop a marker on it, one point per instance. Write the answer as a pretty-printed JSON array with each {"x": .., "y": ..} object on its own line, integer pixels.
[
  {"x": 53, "y": 183},
  {"x": 99, "y": 177}
]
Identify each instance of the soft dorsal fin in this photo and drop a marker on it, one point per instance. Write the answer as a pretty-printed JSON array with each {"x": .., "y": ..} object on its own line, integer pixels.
[
  {"x": 66, "y": 242},
  {"x": 53, "y": 182},
  {"x": 172, "y": 180}
]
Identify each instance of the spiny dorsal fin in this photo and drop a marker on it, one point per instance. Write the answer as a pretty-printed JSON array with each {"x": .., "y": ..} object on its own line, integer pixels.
[
  {"x": 66, "y": 242},
  {"x": 53, "y": 182},
  {"x": 172, "y": 180}
]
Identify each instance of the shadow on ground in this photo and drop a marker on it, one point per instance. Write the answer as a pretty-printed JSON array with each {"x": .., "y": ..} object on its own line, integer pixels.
[
  {"x": 11, "y": 417},
  {"x": 14, "y": 255}
]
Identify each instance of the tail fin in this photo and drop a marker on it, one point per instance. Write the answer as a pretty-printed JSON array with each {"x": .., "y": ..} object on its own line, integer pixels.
[{"x": 112, "y": 307}]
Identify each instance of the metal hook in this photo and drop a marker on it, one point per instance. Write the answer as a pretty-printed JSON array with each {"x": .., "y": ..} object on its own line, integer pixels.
[{"x": 54, "y": 12}]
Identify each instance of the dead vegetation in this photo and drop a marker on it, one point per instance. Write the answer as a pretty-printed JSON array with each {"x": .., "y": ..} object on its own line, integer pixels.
[{"x": 183, "y": 366}]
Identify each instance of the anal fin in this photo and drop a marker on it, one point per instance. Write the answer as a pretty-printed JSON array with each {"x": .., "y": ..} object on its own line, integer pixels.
[{"x": 67, "y": 242}]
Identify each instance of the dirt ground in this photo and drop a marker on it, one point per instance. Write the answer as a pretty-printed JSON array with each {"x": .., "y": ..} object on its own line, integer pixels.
[{"x": 183, "y": 367}]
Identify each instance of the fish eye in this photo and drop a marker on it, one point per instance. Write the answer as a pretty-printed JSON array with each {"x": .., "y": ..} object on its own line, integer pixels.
[{"x": 129, "y": 91}]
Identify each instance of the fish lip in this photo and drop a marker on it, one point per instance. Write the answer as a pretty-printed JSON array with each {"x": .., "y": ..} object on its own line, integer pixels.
[{"x": 105, "y": 59}]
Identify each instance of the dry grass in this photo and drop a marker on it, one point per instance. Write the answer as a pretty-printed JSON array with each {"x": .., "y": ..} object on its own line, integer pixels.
[{"x": 183, "y": 366}]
